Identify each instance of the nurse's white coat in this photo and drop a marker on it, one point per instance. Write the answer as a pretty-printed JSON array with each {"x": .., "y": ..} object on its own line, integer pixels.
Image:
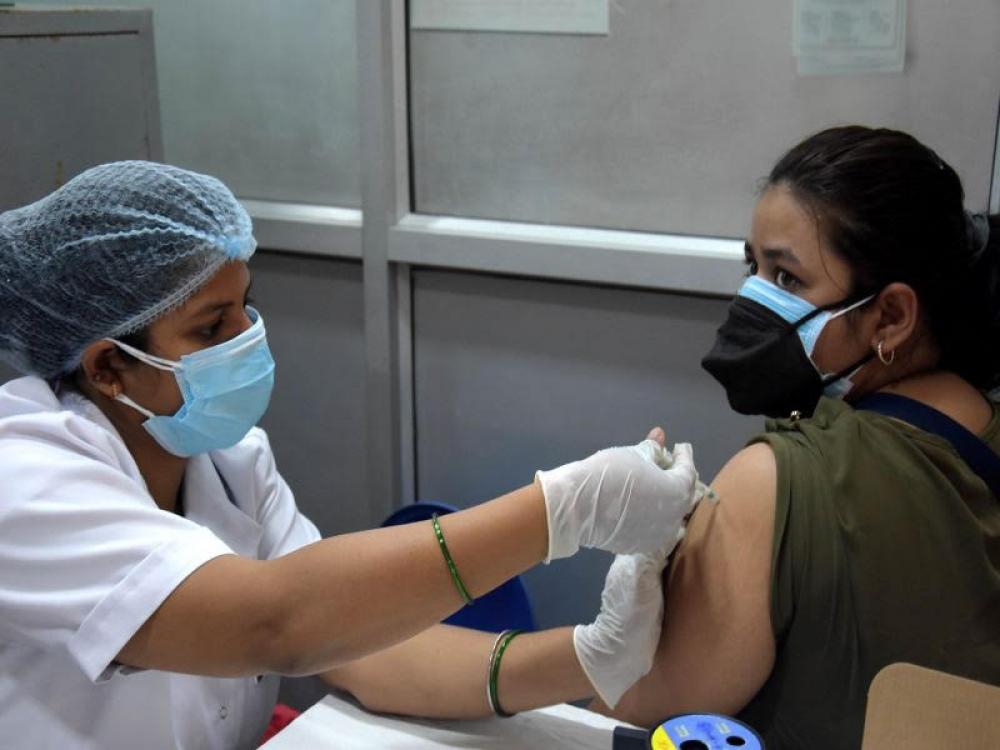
[{"x": 86, "y": 556}]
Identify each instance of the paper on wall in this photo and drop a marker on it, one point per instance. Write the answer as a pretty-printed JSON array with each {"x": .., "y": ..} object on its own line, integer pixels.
[{"x": 850, "y": 36}]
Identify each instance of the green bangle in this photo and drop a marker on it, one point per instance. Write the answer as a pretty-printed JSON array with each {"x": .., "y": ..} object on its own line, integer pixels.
[
  {"x": 502, "y": 643},
  {"x": 463, "y": 592}
]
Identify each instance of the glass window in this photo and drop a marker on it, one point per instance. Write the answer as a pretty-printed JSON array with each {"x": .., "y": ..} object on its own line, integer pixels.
[
  {"x": 669, "y": 122},
  {"x": 261, "y": 94}
]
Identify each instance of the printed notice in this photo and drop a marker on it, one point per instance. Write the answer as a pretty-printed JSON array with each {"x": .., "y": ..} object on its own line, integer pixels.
[
  {"x": 850, "y": 36},
  {"x": 532, "y": 16}
]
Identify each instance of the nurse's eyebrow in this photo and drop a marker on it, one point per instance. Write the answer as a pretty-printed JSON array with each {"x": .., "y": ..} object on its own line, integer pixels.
[
  {"x": 782, "y": 254},
  {"x": 216, "y": 306},
  {"x": 211, "y": 307}
]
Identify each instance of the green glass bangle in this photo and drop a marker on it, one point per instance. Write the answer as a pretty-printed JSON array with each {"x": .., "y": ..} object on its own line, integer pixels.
[
  {"x": 462, "y": 591},
  {"x": 507, "y": 637}
]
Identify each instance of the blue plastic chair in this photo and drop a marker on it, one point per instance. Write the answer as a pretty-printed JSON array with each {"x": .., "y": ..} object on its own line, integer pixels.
[{"x": 506, "y": 606}]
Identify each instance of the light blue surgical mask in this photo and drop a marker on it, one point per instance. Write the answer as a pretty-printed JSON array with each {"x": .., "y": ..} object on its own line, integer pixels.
[
  {"x": 226, "y": 390},
  {"x": 808, "y": 321}
]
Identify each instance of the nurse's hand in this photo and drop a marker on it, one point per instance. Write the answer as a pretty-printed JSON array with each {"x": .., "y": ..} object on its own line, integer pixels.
[
  {"x": 618, "y": 647},
  {"x": 622, "y": 500}
]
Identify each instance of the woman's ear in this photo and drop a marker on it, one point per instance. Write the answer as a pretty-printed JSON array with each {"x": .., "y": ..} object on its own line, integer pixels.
[
  {"x": 101, "y": 365},
  {"x": 898, "y": 316}
]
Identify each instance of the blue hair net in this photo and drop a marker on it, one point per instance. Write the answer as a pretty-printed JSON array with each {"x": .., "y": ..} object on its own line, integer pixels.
[{"x": 106, "y": 254}]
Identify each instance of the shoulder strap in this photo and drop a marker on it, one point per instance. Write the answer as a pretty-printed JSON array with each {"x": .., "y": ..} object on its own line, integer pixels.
[{"x": 977, "y": 454}]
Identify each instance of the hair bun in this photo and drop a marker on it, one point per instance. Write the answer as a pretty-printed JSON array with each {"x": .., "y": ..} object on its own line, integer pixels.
[
  {"x": 981, "y": 310},
  {"x": 977, "y": 234}
]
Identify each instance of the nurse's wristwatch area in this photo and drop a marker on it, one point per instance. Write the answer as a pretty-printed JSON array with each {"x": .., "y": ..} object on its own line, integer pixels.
[{"x": 503, "y": 639}]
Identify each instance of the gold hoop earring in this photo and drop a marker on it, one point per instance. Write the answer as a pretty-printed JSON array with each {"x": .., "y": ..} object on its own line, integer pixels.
[{"x": 881, "y": 355}]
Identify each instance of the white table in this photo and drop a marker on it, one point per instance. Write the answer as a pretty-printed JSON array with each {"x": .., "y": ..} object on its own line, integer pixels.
[{"x": 338, "y": 723}]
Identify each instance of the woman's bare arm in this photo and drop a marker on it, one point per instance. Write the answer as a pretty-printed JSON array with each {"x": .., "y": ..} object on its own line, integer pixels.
[
  {"x": 338, "y": 599},
  {"x": 441, "y": 673},
  {"x": 717, "y": 647}
]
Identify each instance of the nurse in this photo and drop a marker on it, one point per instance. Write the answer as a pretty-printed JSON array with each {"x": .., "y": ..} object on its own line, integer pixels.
[{"x": 155, "y": 574}]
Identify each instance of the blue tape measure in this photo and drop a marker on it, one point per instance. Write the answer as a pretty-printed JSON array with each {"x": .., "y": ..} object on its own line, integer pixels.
[{"x": 690, "y": 732}]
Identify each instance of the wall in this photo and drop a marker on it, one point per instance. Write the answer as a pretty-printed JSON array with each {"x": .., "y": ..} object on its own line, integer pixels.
[{"x": 668, "y": 123}]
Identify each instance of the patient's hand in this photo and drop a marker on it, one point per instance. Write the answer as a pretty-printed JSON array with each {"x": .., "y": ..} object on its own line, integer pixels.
[{"x": 716, "y": 648}]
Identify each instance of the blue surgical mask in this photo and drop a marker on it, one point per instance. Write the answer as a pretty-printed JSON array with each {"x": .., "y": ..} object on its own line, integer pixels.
[
  {"x": 808, "y": 321},
  {"x": 226, "y": 390}
]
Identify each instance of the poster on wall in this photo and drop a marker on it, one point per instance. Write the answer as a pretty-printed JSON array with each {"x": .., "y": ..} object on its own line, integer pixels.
[
  {"x": 835, "y": 37},
  {"x": 532, "y": 16}
]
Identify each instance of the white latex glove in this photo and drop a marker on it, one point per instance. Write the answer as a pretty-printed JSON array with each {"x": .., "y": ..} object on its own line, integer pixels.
[
  {"x": 622, "y": 500},
  {"x": 617, "y": 648}
]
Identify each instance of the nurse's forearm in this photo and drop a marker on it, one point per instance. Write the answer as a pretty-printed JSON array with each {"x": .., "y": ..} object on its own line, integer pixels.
[
  {"x": 442, "y": 673},
  {"x": 345, "y": 597},
  {"x": 338, "y": 599}
]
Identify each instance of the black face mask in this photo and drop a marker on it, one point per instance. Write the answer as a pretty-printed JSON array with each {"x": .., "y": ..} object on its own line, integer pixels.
[{"x": 760, "y": 361}]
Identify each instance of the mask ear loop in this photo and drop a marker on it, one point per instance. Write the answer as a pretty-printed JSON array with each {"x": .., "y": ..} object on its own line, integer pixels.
[
  {"x": 153, "y": 361},
  {"x": 860, "y": 303},
  {"x": 826, "y": 308},
  {"x": 851, "y": 370},
  {"x": 129, "y": 402},
  {"x": 796, "y": 325}
]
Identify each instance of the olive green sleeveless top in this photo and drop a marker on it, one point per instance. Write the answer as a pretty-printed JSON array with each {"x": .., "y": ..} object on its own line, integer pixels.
[{"x": 886, "y": 549}]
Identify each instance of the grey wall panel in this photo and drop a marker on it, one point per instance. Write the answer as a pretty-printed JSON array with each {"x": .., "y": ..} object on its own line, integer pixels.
[
  {"x": 68, "y": 103},
  {"x": 262, "y": 95},
  {"x": 668, "y": 123},
  {"x": 313, "y": 311},
  {"x": 514, "y": 375}
]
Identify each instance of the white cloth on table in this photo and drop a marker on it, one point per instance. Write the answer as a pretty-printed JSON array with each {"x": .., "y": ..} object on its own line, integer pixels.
[{"x": 340, "y": 724}]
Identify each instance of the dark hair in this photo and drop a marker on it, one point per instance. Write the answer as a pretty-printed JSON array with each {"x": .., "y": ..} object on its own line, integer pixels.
[
  {"x": 137, "y": 339},
  {"x": 893, "y": 210}
]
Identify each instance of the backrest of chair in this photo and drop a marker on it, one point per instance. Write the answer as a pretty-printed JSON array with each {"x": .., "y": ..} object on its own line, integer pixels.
[
  {"x": 507, "y": 606},
  {"x": 916, "y": 708}
]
